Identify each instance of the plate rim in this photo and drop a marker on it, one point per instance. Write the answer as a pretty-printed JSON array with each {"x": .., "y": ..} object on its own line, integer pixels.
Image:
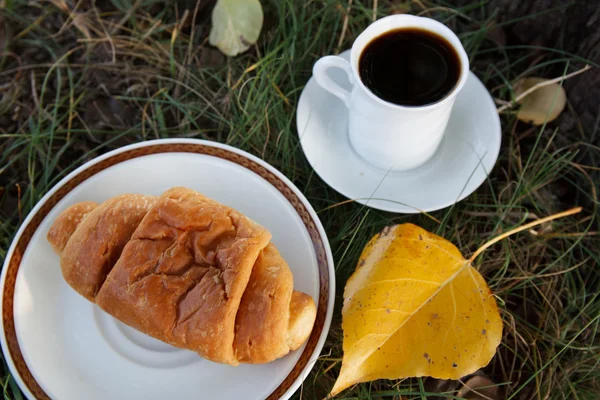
[
  {"x": 391, "y": 206},
  {"x": 8, "y": 340}
]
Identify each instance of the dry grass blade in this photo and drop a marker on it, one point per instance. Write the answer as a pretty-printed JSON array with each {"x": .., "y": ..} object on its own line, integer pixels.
[
  {"x": 344, "y": 27},
  {"x": 538, "y": 276},
  {"x": 375, "y": 5}
]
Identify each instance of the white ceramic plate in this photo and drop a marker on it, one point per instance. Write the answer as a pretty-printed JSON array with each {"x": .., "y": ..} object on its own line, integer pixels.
[
  {"x": 60, "y": 346},
  {"x": 461, "y": 164}
]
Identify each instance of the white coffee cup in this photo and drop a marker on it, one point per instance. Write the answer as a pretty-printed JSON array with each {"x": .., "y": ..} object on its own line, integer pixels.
[{"x": 390, "y": 136}]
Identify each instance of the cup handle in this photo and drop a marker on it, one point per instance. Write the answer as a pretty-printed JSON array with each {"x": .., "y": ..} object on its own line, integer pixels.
[{"x": 320, "y": 73}]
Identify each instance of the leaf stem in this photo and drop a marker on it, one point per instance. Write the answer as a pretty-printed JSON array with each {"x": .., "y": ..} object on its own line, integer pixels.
[{"x": 487, "y": 244}]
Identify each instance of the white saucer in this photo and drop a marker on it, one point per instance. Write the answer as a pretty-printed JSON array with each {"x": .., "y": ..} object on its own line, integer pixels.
[
  {"x": 60, "y": 346},
  {"x": 464, "y": 159}
]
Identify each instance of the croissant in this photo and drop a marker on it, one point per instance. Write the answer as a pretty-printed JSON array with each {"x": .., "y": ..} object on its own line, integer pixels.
[{"x": 186, "y": 270}]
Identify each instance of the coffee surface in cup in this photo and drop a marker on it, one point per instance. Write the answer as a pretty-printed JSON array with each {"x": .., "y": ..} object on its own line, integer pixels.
[{"x": 409, "y": 67}]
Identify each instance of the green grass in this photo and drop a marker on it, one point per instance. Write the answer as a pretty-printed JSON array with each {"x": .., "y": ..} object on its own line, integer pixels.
[{"x": 118, "y": 74}]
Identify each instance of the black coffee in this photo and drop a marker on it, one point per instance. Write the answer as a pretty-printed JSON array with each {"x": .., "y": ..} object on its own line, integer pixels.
[{"x": 409, "y": 67}]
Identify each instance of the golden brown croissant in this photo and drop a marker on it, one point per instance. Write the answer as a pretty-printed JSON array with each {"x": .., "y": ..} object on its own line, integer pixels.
[{"x": 186, "y": 270}]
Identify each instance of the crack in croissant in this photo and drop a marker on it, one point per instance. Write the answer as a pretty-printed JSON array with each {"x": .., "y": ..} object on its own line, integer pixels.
[{"x": 186, "y": 270}]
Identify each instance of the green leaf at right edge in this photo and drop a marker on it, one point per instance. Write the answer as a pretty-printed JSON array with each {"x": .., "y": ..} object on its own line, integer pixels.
[{"x": 236, "y": 25}]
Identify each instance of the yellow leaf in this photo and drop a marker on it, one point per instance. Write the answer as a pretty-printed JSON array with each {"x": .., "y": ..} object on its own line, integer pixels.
[
  {"x": 543, "y": 104},
  {"x": 415, "y": 307}
]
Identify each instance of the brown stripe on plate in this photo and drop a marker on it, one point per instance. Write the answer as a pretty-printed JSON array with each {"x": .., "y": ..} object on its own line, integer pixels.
[{"x": 197, "y": 148}]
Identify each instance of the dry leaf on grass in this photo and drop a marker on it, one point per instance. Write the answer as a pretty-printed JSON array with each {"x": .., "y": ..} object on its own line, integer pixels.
[
  {"x": 479, "y": 388},
  {"x": 441, "y": 387},
  {"x": 543, "y": 104},
  {"x": 415, "y": 307},
  {"x": 236, "y": 25}
]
